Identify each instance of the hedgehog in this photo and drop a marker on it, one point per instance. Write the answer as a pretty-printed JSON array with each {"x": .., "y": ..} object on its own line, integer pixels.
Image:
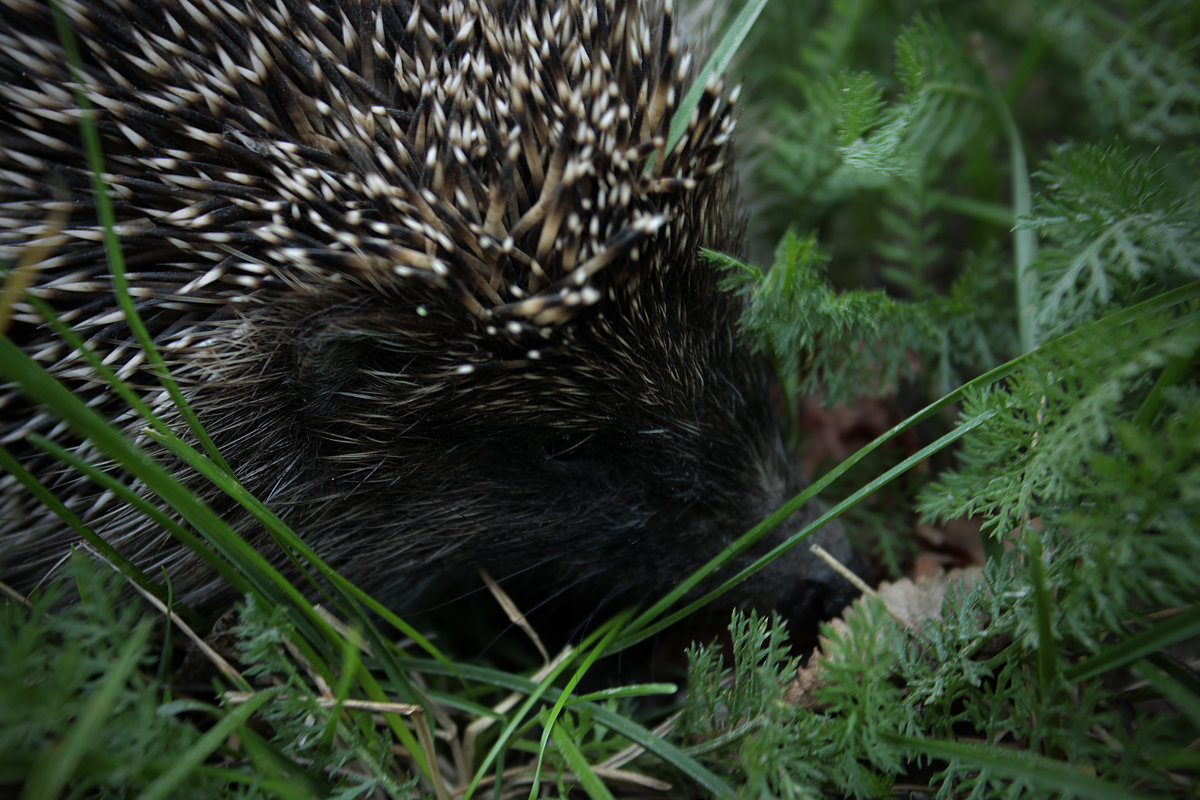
[{"x": 429, "y": 274}]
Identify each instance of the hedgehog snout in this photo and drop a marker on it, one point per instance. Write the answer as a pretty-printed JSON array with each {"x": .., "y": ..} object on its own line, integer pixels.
[{"x": 798, "y": 584}]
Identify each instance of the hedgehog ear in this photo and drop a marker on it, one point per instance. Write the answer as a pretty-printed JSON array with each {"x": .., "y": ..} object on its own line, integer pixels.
[
  {"x": 336, "y": 350},
  {"x": 326, "y": 359}
]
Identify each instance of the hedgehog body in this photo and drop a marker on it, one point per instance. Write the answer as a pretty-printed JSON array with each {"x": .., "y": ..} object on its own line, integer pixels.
[{"x": 427, "y": 272}]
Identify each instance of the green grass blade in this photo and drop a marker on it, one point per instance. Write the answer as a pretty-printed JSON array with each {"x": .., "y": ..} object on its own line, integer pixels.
[
  {"x": 1047, "y": 645},
  {"x": 1025, "y": 244},
  {"x": 9, "y": 464},
  {"x": 523, "y": 712},
  {"x": 735, "y": 33},
  {"x": 588, "y": 780},
  {"x": 112, "y": 246},
  {"x": 1177, "y": 628},
  {"x": 689, "y": 766},
  {"x": 614, "y": 626},
  {"x": 1176, "y": 684},
  {"x": 630, "y": 690},
  {"x": 1044, "y": 773},
  {"x": 126, "y": 495},
  {"x": 38, "y": 385},
  {"x": 165, "y": 785}
]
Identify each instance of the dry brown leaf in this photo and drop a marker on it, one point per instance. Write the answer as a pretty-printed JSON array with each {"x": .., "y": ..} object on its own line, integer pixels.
[{"x": 913, "y": 604}]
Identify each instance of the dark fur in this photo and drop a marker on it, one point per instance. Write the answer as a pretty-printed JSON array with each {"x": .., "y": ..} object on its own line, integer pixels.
[{"x": 485, "y": 404}]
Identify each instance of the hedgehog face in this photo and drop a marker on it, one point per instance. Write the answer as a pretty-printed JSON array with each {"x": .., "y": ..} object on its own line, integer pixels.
[
  {"x": 429, "y": 275},
  {"x": 627, "y": 450}
]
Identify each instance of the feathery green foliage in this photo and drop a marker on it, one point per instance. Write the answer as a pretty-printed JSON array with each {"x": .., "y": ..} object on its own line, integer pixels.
[
  {"x": 1082, "y": 463},
  {"x": 82, "y": 713},
  {"x": 1117, "y": 225}
]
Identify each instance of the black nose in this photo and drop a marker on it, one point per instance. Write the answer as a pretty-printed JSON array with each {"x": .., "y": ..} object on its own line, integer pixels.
[
  {"x": 818, "y": 599},
  {"x": 808, "y": 590}
]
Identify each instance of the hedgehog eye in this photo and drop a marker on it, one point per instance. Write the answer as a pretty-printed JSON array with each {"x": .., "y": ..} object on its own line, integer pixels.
[{"x": 567, "y": 446}]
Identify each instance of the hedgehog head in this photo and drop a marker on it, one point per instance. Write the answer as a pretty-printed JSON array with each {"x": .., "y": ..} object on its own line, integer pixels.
[{"x": 431, "y": 274}]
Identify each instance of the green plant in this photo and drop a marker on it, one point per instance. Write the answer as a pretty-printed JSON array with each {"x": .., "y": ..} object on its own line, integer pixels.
[
  {"x": 1059, "y": 672},
  {"x": 81, "y": 715}
]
